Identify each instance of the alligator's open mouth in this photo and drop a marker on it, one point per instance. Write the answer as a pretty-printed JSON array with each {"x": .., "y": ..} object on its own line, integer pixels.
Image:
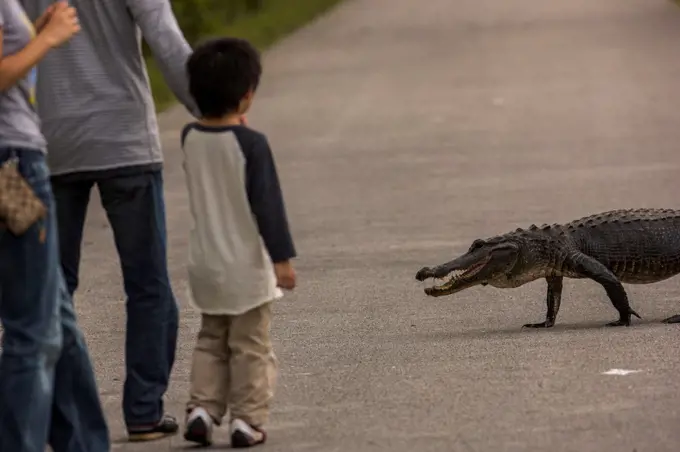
[{"x": 458, "y": 279}]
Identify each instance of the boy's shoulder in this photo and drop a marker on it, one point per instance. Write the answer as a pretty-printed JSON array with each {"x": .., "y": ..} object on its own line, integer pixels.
[{"x": 247, "y": 137}]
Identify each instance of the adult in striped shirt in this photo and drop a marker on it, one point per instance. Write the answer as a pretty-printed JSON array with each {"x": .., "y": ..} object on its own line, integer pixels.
[{"x": 99, "y": 120}]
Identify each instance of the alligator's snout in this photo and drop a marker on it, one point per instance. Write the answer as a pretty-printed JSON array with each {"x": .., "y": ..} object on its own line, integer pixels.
[
  {"x": 428, "y": 272},
  {"x": 424, "y": 273}
]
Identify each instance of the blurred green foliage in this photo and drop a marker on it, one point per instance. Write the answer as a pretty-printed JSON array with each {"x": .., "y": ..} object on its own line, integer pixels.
[{"x": 260, "y": 21}]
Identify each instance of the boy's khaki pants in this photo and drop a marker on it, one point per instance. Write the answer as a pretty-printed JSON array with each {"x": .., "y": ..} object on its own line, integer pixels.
[{"x": 234, "y": 366}]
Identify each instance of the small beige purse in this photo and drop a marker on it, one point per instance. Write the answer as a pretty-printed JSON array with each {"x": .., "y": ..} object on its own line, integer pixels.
[{"x": 20, "y": 208}]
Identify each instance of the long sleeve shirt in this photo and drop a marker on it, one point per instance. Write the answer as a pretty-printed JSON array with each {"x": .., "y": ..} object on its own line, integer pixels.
[
  {"x": 93, "y": 94},
  {"x": 239, "y": 226}
]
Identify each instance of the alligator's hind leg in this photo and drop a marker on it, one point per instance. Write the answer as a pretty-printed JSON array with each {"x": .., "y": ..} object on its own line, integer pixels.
[
  {"x": 672, "y": 319},
  {"x": 553, "y": 299},
  {"x": 595, "y": 270}
]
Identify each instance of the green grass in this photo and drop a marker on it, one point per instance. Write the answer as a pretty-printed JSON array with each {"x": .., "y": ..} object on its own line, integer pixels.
[{"x": 276, "y": 20}]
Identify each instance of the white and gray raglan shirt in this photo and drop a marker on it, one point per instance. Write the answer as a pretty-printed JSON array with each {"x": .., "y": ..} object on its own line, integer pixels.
[
  {"x": 239, "y": 226},
  {"x": 93, "y": 94}
]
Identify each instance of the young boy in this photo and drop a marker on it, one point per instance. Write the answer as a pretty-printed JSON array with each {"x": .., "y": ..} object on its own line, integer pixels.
[{"x": 240, "y": 246}]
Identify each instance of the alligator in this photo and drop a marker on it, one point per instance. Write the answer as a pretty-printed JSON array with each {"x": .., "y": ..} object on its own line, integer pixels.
[{"x": 632, "y": 246}]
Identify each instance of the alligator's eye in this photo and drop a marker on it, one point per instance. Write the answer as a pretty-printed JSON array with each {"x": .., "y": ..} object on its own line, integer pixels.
[{"x": 476, "y": 245}]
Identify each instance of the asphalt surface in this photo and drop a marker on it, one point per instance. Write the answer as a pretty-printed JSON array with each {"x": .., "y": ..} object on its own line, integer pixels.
[{"x": 403, "y": 132}]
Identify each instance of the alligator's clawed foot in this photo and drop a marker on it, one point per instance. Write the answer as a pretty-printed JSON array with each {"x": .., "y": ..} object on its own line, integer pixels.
[
  {"x": 624, "y": 320},
  {"x": 545, "y": 324},
  {"x": 619, "y": 323},
  {"x": 672, "y": 319}
]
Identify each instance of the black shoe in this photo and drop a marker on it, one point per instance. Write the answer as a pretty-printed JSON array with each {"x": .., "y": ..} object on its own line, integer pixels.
[
  {"x": 167, "y": 426},
  {"x": 246, "y": 435},
  {"x": 199, "y": 427}
]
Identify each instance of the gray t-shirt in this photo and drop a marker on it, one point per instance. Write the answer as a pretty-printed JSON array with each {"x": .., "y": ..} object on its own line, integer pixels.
[
  {"x": 94, "y": 98},
  {"x": 19, "y": 122}
]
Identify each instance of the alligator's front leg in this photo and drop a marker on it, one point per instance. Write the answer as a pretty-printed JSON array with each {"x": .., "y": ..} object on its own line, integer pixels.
[
  {"x": 595, "y": 270},
  {"x": 553, "y": 299}
]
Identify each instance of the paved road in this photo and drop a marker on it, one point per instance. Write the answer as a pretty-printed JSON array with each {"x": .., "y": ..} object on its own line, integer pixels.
[{"x": 403, "y": 133}]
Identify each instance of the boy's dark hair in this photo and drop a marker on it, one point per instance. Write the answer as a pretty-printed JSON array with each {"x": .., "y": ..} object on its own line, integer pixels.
[{"x": 221, "y": 71}]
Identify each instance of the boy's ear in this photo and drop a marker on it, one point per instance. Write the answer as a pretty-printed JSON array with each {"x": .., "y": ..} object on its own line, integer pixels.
[{"x": 247, "y": 100}]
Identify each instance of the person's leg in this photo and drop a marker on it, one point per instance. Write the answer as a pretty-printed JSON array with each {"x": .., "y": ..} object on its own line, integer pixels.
[
  {"x": 72, "y": 199},
  {"x": 136, "y": 210},
  {"x": 253, "y": 374},
  {"x": 78, "y": 422},
  {"x": 30, "y": 317},
  {"x": 209, "y": 380}
]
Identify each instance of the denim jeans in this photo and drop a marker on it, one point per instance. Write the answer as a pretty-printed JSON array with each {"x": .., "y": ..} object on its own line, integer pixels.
[
  {"x": 136, "y": 211},
  {"x": 48, "y": 391}
]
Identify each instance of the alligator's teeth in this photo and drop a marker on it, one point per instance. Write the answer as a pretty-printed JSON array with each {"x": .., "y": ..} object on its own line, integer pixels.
[{"x": 459, "y": 272}]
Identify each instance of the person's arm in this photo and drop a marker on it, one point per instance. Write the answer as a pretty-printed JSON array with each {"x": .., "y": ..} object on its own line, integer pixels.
[
  {"x": 15, "y": 67},
  {"x": 57, "y": 29},
  {"x": 167, "y": 42},
  {"x": 266, "y": 201}
]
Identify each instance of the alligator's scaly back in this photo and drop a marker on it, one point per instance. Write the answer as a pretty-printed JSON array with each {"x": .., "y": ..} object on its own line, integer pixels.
[{"x": 638, "y": 246}]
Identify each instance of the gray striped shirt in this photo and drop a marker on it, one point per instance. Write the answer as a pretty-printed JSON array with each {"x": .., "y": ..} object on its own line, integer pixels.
[{"x": 93, "y": 93}]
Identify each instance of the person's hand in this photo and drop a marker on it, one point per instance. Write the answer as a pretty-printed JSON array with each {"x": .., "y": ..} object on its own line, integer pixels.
[
  {"x": 44, "y": 18},
  {"x": 61, "y": 25},
  {"x": 285, "y": 275}
]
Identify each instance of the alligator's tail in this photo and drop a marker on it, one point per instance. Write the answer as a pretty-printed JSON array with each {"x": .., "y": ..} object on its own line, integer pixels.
[{"x": 635, "y": 314}]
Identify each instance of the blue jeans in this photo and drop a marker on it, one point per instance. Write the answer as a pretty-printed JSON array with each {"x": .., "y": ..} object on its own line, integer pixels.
[
  {"x": 48, "y": 391},
  {"x": 136, "y": 211}
]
